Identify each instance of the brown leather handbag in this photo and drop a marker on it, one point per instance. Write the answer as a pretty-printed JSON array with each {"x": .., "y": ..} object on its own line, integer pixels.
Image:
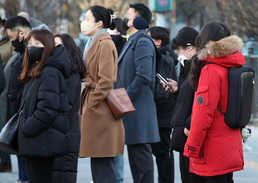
[{"x": 118, "y": 101}]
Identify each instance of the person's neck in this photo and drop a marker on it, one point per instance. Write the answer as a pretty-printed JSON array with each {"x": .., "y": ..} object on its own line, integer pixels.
[
  {"x": 131, "y": 31},
  {"x": 94, "y": 33}
]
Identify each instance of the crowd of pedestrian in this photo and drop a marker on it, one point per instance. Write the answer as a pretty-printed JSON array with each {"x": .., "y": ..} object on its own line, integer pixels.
[{"x": 66, "y": 116}]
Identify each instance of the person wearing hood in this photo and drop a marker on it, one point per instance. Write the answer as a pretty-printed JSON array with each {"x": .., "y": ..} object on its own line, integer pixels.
[
  {"x": 17, "y": 29},
  {"x": 184, "y": 43},
  {"x": 215, "y": 150},
  {"x": 6, "y": 48},
  {"x": 65, "y": 166},
  {"x": 44, "y": 125}
]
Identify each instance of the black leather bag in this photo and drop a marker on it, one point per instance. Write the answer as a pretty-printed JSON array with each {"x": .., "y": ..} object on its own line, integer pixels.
[{"x": 9, "y": 133}]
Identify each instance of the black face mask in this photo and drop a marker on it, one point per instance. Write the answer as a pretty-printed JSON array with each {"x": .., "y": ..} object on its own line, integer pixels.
[
  {"x": 124, "y": 24},
  {"x": 35, "y": 53},
  {"x": 19, "y": 46}
]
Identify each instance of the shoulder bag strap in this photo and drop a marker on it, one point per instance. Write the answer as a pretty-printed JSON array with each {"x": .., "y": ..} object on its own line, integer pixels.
[{"x": 23, "y": 102}]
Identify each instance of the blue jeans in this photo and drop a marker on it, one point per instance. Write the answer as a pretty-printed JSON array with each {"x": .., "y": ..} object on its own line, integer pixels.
[
  {"x": 119, "y": 165},
  {"x": 22, "y": 170}
]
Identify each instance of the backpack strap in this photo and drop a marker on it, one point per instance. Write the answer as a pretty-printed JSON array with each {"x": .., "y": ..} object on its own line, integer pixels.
[
  {"x": 207, "y": 64},
  {"x": 137, "y": 39},
  {"x": 134, "y": 43},
  {"x": 219, "y": 107}
]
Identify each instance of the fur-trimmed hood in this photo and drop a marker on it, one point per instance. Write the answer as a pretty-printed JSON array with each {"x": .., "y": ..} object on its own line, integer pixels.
[{"x": 225, "y": 52}]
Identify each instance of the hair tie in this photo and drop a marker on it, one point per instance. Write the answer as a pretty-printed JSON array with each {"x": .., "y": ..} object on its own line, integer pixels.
[
  {"x": 222, "y": 27},
  {"x": 112, "y": 17}
]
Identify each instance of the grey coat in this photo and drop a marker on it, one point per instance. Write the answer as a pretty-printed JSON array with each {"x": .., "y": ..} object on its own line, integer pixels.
[{"x": 137, "y": 69}]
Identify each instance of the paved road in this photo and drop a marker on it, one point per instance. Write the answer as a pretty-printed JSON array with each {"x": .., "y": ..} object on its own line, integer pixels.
[{"x": 248, "y": 175}]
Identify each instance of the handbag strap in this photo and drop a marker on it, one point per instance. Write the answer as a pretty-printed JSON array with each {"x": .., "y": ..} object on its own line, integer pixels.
[
  {"x": 23, "y": 102},
  {"x": 92, "y": 79}
]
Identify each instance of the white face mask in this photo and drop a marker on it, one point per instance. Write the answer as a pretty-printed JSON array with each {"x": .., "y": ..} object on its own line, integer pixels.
[
  {"x": 181, "y": 59},
  {"x": 87, "y": 27}
]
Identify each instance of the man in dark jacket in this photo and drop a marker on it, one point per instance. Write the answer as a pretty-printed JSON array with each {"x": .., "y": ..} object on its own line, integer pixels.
[
  {"x": 18, "y": 29},
  {"x": 165, "y": 110},
  {"x": 137, "y": 69}
]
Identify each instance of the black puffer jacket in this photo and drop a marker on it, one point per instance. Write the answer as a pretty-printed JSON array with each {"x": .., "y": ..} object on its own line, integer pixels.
[
  {"x": 65, "y": 166},
  {"x": 183, "y": 110},
  {"x": 74, "y": 92},
  {"x": 44, "y": 125}
]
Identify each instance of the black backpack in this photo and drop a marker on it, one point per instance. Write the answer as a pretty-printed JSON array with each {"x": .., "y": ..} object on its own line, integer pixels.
[
  {"x": 164, "y": 66},
  {"x": 240, "y": 90}
]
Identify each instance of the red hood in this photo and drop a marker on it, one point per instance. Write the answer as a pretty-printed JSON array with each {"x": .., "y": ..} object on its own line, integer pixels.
[
  {"x": 232, "y": 60},
  {"x": 225, "y": 52}
]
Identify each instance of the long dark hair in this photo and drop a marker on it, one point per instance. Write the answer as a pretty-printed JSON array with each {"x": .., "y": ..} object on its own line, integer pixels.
[
  {"x": 78, "y": 66},
  {"x": 212, "y": 31},
  {"x": 29, "y": 69}
]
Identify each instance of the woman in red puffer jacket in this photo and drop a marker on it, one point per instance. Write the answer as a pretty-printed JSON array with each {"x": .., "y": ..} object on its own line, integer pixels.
[{"x": 215, "y": 150}]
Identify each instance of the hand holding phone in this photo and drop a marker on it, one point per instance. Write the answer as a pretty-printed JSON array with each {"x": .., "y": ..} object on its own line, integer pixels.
[{"x": 164, "y": 81}]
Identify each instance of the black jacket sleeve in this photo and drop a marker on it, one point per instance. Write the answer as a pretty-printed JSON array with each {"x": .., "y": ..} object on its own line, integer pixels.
[{"x": 188, "y": 123}]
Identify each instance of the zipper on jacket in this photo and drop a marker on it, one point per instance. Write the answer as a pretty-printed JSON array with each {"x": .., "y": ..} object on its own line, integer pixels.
[{"x": 203, "y": 154}]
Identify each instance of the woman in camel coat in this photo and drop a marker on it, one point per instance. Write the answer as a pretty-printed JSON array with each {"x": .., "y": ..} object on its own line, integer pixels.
[{"x": 102, "y": 136}]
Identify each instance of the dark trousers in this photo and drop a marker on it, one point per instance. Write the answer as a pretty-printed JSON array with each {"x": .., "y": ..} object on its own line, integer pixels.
[
  {"x": 184, "y": 168},
  {"x": 65, "y": 168},
  {"x": 141, "y": 163},
  {"x": 22, "y": 169},
  {"x": 227, "y": 178},
  {"x": 103, "y": 170},
  {"x": 5, "y": 158},
  {"x": 40, "y": 170},
  {"x": 164, "y": 159}
]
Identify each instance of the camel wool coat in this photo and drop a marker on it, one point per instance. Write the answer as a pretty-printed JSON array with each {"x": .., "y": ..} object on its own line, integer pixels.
[{"x": 101, "y": 134}]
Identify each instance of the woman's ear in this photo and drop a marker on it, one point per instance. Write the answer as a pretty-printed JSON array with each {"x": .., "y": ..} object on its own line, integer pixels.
[{"x": 100, "y": 23}]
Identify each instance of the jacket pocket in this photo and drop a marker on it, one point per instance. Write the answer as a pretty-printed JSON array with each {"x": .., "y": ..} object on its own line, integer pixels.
[
  {"x": 201, "y": 157},
  {"x": 202, "y": 96}
]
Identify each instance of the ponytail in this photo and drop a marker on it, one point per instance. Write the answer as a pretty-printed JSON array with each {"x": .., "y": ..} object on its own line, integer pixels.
[{"x": 112, "y": 24}]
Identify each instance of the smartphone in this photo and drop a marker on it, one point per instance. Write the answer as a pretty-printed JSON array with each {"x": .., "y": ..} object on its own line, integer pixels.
[{"x": 163, "y": 80}]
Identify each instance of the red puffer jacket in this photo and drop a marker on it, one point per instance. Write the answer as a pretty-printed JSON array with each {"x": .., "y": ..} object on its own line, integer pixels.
[{"x": 213, "y": 147}]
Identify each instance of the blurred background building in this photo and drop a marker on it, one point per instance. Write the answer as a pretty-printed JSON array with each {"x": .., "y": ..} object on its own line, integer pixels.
[{"x": 64, "y": 16}]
